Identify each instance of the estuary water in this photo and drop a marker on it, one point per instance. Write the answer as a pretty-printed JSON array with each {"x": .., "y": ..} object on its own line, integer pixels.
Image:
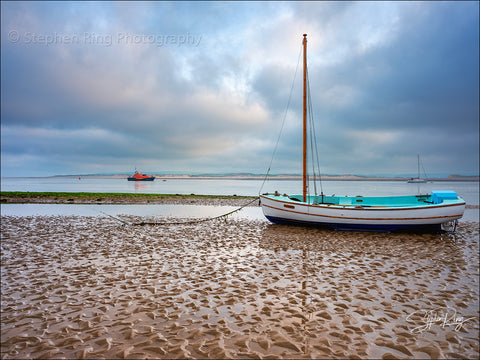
[{"x": 469, "y": 191}]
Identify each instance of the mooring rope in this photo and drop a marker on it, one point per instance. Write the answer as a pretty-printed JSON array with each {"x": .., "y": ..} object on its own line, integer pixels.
[
  {"x": 142, "y": 223},
  {"x": 283, "y": 122}
]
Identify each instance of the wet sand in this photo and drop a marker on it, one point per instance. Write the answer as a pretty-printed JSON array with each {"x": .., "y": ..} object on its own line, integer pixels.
[{"x": 87, "y": 287}]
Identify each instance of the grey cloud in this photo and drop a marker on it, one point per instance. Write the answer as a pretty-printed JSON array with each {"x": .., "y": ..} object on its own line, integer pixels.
[{"x": 407, "y": 72}]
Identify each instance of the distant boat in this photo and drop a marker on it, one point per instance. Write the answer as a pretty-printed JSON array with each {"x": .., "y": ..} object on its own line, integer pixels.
[
  {"x": 418, "y": 179},
  {"x": 140, "y": 177},
  {"x": 434, "y": 211}
]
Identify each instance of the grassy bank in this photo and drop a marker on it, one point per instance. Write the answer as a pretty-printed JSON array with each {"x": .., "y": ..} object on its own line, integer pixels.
[{"x": 24, "y": 197}]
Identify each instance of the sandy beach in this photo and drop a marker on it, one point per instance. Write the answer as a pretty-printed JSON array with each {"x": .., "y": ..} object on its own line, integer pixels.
[{"x": 88, "y": 287}]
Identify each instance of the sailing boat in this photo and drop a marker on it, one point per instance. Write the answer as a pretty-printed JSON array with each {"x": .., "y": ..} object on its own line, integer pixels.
[
  {"x": 418, "y": 179},
  {"x": 435, "y": 211}
]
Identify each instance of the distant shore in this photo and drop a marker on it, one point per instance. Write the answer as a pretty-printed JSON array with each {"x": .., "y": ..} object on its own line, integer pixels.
[{"x": 246, "y": 176}]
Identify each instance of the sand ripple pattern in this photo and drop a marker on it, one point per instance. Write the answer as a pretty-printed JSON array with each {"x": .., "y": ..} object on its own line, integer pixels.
[{"x": 86, "y": 287}]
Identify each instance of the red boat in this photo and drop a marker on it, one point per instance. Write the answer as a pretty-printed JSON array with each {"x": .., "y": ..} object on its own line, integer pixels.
[{"x": 140, "y": 177}]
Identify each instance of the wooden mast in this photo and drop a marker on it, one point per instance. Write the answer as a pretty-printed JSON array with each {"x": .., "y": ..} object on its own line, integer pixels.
[{"x": 305, "y": 117}]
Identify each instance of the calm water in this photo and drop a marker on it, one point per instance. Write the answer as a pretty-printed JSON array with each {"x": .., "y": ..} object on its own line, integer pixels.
[
  {"x": 469, "y": 191},
  {"x": 161, "y": 211}
]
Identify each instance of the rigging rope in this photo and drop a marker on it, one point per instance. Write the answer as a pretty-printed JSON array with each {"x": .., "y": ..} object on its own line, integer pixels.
[
  {"x": 142, "y": 223},
  {"x": 283, "y": 122},
  {"x": 313, "y": 142},
  {"x": 313, "y": 138},
  {"x": 424, "y": 173}
]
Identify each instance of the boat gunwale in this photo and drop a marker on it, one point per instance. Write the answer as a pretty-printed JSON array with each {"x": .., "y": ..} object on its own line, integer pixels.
[{"x": 360, "y": 207}]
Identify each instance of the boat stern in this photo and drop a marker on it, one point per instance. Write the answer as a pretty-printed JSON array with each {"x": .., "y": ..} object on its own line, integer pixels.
[{"x": 439, "y": 196}]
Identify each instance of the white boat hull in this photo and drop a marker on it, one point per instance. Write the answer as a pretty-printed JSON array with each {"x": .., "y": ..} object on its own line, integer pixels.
[{"x": 281, "y": 209}]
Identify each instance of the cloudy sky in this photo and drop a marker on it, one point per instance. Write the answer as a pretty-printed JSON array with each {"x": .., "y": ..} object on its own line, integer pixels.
[{"x": 202, "y": 87}]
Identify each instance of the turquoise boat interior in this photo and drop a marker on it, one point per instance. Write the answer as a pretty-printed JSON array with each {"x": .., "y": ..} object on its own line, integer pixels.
[{"x": 436, "y": 197}]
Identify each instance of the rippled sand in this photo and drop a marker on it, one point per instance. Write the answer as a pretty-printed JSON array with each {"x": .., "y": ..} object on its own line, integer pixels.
[{"x": 87, "y": 287}]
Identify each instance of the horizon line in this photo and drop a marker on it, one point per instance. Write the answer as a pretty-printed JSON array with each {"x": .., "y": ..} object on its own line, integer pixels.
[{"x": 238, "y": 174}]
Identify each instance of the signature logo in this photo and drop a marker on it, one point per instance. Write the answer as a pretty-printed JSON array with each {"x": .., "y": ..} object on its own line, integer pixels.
[{"x": 443, "y": 317}]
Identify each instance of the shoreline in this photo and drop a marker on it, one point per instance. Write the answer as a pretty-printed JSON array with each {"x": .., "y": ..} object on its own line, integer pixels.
[{"x": 25, "y": 197}]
